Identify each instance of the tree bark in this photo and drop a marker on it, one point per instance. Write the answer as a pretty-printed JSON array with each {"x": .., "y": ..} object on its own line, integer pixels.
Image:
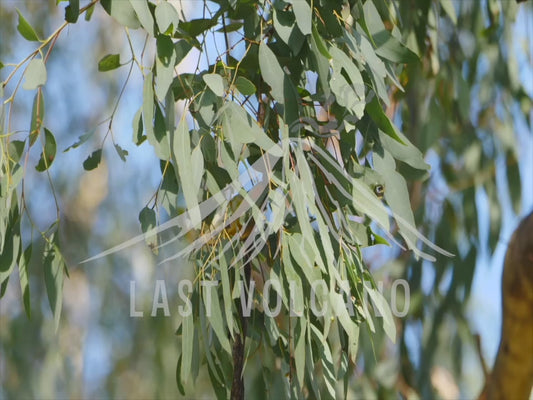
[{"x": 512, "y": 375}]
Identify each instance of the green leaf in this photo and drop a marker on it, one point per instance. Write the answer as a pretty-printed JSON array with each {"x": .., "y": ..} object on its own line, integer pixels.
[
  {"x": 109, "y": 62},
  {"x": 89, "y": 13},
  {"x": 215, "y": 319},
  {"x": 121, "y": 152},
  {"x": 188, "y": 161},
  {"x": 397, "y": 197},
  {"x": 215, "y": 82},
  {"x": 365, "y": 201},
  {"x": 226, "y": 291},
  {"x": 82, "y": 139},
  {"x": 148, "y": 221},
  {"x": 241, "y": 128},
  {"x": 320, "y": 44},
  {"x": 299, "y": 350},
  {"x": 372, "y": 20},
  {"x": 383, "y": 122},
  {"x": 195, "y": 27},
  {"x": 54, "y": 268},
  {"x": 137, "y": 123},
  {"x": 178, "y": 377},
  {"x": 37, "y": 116},
  {"x": 348, "y": 94},
  {"x": 72, "y": 11},
  {"x": 35, "y": 74},
  {"x": 407, "y": 152},
  {"x": 143, "y": 13},
  {"x": 271, "y": 71},
  {"x": 166, "y": 17},
  {"x": 287, "y": 30},
  {"x": 384, "y": 310},
  {"x": 165, "y": 62},
  {"x": 93, "y": 160},
  {"x": 24, "y": 280},
  {"x": 49, "y": 152},
  {"x": 392, "y": 49},
  {"x": 182, "y": 48},
  {"x": 16, "y": 149},
  {"x": 303, "y": 14},
  {"x": 26, "y": 30},
  {"x": 449, "y": 8},
  {"x": 123, "y": 12},
  {"x": 187, "y": 338},
  {"x": 10, "y": 246},
  {"x": 235, "y": 26},
  {"x": 244, "y": 86}
]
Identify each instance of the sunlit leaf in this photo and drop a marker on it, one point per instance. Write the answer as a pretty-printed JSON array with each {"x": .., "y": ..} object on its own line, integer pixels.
[
  {"x": 215, "y": 82},
  {"x": 35, "y": 75},
  {"x": 166, "y": 17},
  {"x": 123, "y": 12}
]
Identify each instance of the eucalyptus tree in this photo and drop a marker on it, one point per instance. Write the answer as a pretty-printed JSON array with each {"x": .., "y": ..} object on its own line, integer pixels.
[{"x": 281, "y": 159}]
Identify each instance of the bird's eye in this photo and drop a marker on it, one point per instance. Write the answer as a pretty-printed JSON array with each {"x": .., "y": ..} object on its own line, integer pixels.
[{"x": 379, "y": 190}]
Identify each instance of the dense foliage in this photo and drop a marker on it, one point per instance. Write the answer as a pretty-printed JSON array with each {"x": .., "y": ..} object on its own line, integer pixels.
[{"x": 283, "y": 155}]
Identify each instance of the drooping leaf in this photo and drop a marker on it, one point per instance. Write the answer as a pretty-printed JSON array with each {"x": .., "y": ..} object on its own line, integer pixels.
[
  {"x": 187, "y": 337},
  {"x": 241, "y": 128},
  {"x": 54, "y": 268},
  {"x": 214, "y": 316},
  {"x": 37, "y": 116},
  {"x": 165, "y": 62},
  {"x": 49, "y": 152},
  {"x": 303, "y": 14},
  {"x": 271, "y": 71},
  {"x": 72, "y": 11},
  {"x": 384, "y": 311},
  {"x": 35, "y": 75},
  {"x": 188, "y": 162},
  {"x": 24, "y": 278},
  {"x": 143, "y": 14}
]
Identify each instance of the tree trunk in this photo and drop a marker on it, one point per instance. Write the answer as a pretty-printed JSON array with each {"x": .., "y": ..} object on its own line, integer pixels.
[{"x": 512, "y": 375}]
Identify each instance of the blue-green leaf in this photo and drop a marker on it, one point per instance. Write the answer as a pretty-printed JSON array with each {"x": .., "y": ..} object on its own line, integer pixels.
[
  {"x": 35, "y": 74},
  {"x": 215, "y": 82},
  {"x": 271, "y": 71}
]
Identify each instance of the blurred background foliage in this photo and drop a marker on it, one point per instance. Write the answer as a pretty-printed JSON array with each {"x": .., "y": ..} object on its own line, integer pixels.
[{"x": 467, "y": 106}]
